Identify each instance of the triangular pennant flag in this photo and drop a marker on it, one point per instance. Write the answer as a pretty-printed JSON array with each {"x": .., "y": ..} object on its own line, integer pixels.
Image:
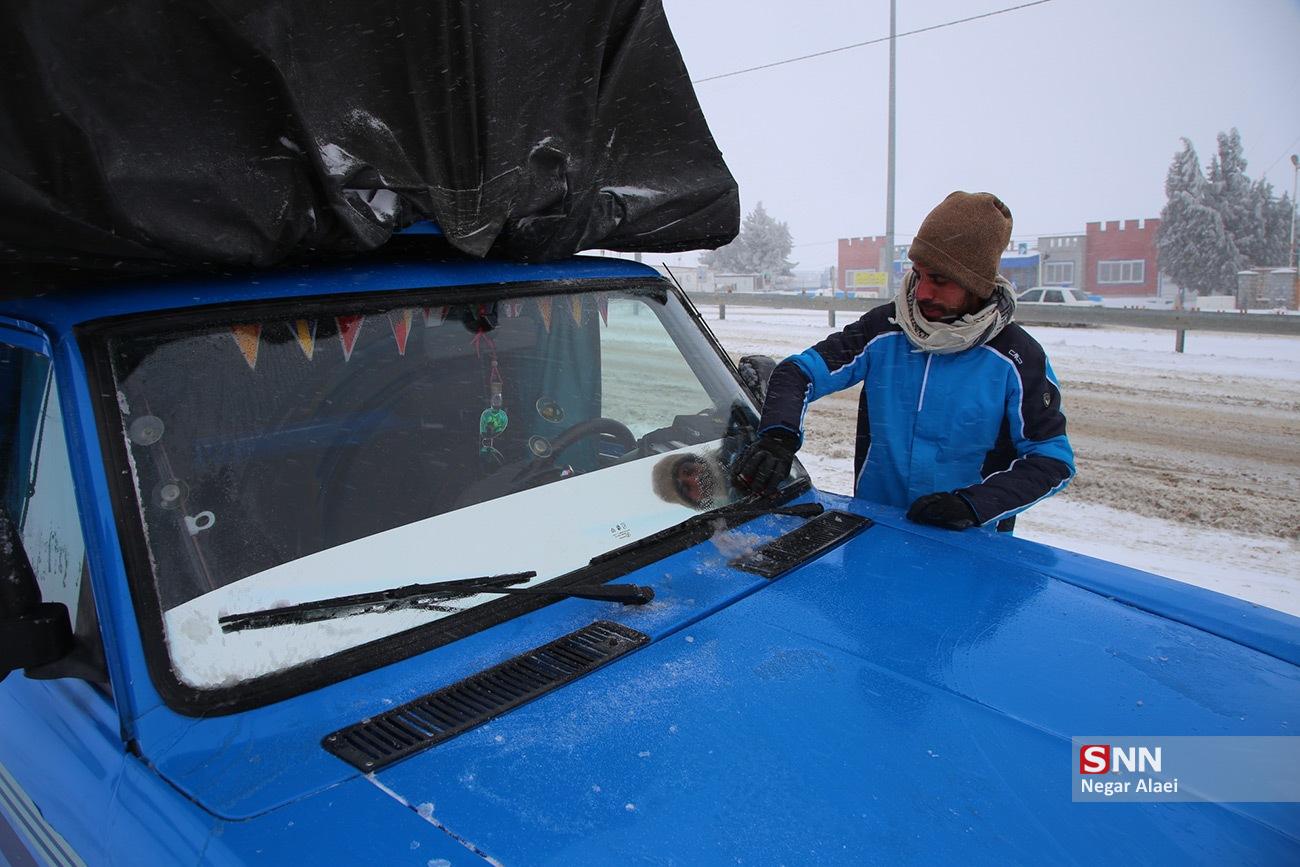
[
  {"x": 349, "y": 328},
  {"x": 304, "y": 331},
  {"x": 513, "y": 309},
  {"x": 575, "y": 307},
  {"x": 544, "y": 307},
  {"x": 434, "y": 316},
  {"x": 602, "y": 304},
  {"x": 249, "y": 339},
  {"x": 401, "y": 322}
]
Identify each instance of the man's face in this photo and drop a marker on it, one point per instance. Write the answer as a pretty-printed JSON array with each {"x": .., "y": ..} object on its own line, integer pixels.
[{"x": 941, "y": 299}]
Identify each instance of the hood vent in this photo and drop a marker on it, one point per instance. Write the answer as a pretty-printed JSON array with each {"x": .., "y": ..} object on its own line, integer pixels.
[
  {"x": 811, "y": 539},
  {"x": 403, "y": 731}
]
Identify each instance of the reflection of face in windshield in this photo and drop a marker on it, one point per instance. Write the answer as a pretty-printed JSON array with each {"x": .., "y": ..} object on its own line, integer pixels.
[{"x": 695, "y": 480}]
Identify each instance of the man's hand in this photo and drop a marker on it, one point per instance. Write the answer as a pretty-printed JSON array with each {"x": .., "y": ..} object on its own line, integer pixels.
[
  {"x": 765, "y": 464},
  {"x": 943, "y": 509},
  {"x": 755, "y": 371}
]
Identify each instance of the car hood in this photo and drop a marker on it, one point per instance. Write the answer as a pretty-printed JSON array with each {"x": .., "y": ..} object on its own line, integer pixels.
[{"x": 897, "y": 699}]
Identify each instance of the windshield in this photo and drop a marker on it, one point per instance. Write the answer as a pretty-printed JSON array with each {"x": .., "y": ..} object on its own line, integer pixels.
[{"x": 279, "y": 459}]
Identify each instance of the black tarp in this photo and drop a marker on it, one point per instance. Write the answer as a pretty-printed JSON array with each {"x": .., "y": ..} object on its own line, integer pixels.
[{"x": 153, "y": 135}]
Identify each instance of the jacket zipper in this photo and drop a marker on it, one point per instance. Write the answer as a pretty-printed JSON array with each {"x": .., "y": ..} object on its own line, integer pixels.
[{"x": 920, "y": 401}]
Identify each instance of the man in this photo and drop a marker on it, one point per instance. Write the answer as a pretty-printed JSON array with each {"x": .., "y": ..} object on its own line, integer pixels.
[{"x": 960, "y": 419}]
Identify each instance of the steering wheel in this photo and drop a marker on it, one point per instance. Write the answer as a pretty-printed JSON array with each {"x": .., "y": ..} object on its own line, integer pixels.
[{"x": 593, "y": 427}]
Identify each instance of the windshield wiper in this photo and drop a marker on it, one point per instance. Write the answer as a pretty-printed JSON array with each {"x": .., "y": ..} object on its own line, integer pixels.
[
  {"x": 430, "y": 597},
  {"x": 752, "y": 506}
]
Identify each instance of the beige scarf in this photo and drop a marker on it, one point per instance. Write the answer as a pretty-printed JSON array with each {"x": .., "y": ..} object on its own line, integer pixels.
[{"x": 945, "y": 338}]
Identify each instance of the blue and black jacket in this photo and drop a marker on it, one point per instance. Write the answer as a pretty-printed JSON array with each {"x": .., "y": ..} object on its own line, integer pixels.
[{"x": 985, "y": 422}]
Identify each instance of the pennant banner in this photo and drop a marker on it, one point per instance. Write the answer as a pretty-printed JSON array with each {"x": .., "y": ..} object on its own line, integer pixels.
[
  {"x": 434, "y": 317},
  {"x": 544, "y": 307},
  {"x": 349, "y": 328},
  {"x": 575, "y": 307},
  {"x": 401, "y": 322},
  {"x": 249, "y": 339},
  {"x": 602, "y": 304},
  {"x": 304, "y": 331}
]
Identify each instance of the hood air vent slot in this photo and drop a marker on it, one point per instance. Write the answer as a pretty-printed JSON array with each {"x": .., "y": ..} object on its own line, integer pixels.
[
  {"x": 810, "y": 539},
  {"x": 403, "y": 731}
]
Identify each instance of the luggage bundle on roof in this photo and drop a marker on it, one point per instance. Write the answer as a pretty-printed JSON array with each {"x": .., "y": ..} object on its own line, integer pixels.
[{"x": 151, "y": 136}]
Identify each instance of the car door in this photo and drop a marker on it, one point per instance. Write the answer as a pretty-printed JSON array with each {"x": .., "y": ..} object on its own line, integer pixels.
[
  {"x": 61, "y": 752},
  {"x": 1053, "y": 296},
  {"x": 1032, "y": 296}
]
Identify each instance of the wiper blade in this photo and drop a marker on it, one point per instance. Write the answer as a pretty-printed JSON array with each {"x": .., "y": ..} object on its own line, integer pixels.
[
  {"x": 425, "y": 596},
  {"x": 752, "y": 506}
]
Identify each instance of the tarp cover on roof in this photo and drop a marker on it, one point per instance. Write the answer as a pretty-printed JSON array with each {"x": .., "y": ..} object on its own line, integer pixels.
[{"x": 153, "y": 134}]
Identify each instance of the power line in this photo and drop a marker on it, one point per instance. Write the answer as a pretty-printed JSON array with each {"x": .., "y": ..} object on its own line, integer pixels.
[
  {"x": 1284, "y": 153},
  {"x": 869, "y": 42}
]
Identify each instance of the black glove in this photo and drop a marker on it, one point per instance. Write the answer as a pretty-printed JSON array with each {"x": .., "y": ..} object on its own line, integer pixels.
[
  {"x": 755, "y": 371},
  {"x": 764, "y": 465},
  {"x": 943, "y": 509}
]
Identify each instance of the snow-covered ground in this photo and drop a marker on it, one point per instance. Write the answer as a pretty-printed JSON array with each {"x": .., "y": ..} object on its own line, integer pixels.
[{"x": 1189, "y": 464}]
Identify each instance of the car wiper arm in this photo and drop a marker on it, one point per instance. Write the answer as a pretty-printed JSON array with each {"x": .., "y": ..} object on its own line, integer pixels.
[{"x": 425, "y": 596}]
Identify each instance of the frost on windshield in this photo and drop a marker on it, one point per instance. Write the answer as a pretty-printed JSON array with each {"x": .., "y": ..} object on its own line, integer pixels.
[{"x": 280, "y": 461}]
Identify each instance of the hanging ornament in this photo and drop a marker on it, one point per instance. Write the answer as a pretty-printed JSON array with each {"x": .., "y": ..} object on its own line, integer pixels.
[
  {"x": 248, "y": 337},
  {"x": 400, "y": 320},
  {"x": 349, "y": 328},
  {"x": 304, "y": 331},
  {"x": 492, "y": 422}
]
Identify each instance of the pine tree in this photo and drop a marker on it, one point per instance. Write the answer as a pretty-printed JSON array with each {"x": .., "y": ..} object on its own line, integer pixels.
[
  {"x": 1231, "y": 194},
  {"x": 1214, "y": 226},
  {"x": 1192, "y": 244},
  {"x": 761, "y": 248},
  {"x": 1275, "y": 217}
]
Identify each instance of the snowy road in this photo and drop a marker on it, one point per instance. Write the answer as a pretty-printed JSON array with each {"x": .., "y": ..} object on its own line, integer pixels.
[{"x": 1189, "y": 465}]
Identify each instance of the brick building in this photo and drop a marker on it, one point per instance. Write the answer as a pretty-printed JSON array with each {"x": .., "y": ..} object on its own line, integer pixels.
[{"x": 1120, "y": 258}]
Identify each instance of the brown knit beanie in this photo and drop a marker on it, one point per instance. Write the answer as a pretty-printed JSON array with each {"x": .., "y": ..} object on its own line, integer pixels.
[{"x": 963, "y": 239}]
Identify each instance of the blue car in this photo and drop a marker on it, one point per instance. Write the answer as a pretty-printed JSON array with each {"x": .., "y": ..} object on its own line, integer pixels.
[{"x": 434, "y": 561}]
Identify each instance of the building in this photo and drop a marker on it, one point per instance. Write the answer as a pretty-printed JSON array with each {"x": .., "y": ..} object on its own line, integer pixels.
[
  {"x": 1115, "y": 258},
  {"x": 693, "y": 278},
  {"x": 1063, "y": 259},
  {"x": 1120, "y": 258},
  {"x": 1266, "y": 289}
]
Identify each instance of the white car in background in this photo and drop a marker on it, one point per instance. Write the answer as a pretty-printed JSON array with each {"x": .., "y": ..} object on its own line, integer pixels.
[{"x": 1058, "y": 295}]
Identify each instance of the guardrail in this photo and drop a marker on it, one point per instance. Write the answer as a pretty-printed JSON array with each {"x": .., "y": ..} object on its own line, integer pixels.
[{"x": 1032, "y": 314}]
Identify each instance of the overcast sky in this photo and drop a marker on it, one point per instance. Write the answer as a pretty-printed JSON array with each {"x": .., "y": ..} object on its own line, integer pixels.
[{"x": 1070, "y": 111}]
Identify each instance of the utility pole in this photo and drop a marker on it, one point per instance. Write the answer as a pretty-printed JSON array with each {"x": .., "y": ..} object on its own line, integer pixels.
[
  {"x": 1295, "y": 174},
  {"x": 891, "y": 287}
]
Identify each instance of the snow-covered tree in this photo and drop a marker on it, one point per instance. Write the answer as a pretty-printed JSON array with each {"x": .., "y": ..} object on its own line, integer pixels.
[
  {"x": 1229, "y": 192},
  {"x": 1214, "y": 226},
  {"x": 1277, "y": 213},
  {"x": 1192, "y": 245},
  {"x": 761, "y": 247}
]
